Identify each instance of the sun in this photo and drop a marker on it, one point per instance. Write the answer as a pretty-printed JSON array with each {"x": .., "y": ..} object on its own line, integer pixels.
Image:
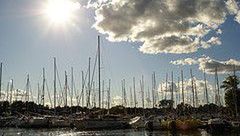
[{"x": 60, "y": 11}]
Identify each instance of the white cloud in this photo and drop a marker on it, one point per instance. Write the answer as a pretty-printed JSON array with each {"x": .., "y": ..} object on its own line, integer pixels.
[
  {"x": 200, "y": 86},
  {"x": 211, "y": 41},
  {"x": 187, "y": 61},
  {"x": 237, "y": 17},
  {"x": 163, "y": 26},
  {"x": 232, "y": 6},
  {"x": 210, "y": 64},
  {"x": 116, "y": 100}
]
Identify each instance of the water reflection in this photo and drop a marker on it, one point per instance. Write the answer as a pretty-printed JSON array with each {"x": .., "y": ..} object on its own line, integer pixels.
[{"x": 129, "y": 132}]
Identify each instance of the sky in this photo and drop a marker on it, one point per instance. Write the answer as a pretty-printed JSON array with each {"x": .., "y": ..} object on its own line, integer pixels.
[{"x": 138, "y": 37}]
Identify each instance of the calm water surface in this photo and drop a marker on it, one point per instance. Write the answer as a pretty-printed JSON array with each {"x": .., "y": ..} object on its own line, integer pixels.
[{"x": 72, "y": 132}]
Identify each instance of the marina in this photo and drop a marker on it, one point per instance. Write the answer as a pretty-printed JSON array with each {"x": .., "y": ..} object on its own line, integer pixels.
[{"x": 119, "y": 68}]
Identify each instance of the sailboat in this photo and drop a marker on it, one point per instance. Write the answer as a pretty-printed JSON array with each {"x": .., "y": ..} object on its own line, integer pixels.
[{"x": 102, "y": 121}]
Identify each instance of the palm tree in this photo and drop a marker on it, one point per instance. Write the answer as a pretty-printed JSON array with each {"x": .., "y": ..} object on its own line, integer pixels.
[{"x": 232, "y": 93}]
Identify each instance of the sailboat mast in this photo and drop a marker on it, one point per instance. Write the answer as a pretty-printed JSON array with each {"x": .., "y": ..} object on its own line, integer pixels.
[
  {"x": 109, "y": 93},
  {"x": 71, "y": 86},
  {"x": 131, "y": 99},
  {"x": 206, "y": 89},
  {"x": 27, "y": 88},
  {"x": 172, "y": 87},
  {"x": 89, "y": 82},
  {"x": 66, "y": 86},
  {"x": 0, "y": 80},
  {"x": 182, "y": 87},
  {"x": 196, "y": 93},
  {"x": 193, "y": 100},
  {"x": 217, "y": 88},
  {"x": 142, "y": 90},
  {"x": 38, "y": 97},
  {"x": 103, "y": 89},
  {"x": 166, "y": 86},
  {"x": 54, "y": 82},
  {"x": 82, "y": 89},
  {"x": 43, "y": 87},
  {"x": 99, "y": 73},
  {"x": 7, "y": 91},
  {"x": 134, "y": 93},
  {"x": 11, "y": 90},
  {"x": 178, "y": 92}
]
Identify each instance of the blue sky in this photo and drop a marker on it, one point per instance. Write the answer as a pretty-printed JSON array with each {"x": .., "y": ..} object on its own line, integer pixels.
[{"x": 28, "y": 43}]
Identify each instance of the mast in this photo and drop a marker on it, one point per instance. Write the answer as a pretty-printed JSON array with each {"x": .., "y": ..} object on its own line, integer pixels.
[
  {"x": 131, "y": 99},
  {"x": 172, "y": 87},
  {"x": 166, "y": 86},
  {"x": 43, "y": 87},
  {"x": 217, "y": 88},
  {"x": 83, "y": 89},
  {"x": 71, "y": 86},
  {"x": 196, "y": 93},
  {"x": 193, "y": 100},
  {"x": 54, "y": 83},
  {"x": 108, "y": 95},
  {"x": 89, "y": 82},
  {"x": 99, "y": 73},
  {"x": 134, "y": 93},
  {"x": 93, "y": 95},
  {"x": 103, "y": 93},
  {"x": 27, "y": 88},
  {"x": 0, "y": 80},
  {"x": 124, "y": 94},
  {"x": 38, "y": 97},
  {"x": 7, "y": 91},
  {"x": 206, "y": 89},
  {"x": 153, "y": 99},
  {"x": 142, "y": 90},
  {"x": 11, "y": 90},
  {"x": 154, "y": 89},
  {"x": 66, "y": 86},
  {"x": 182, "y": 87},
  {"x": 161, "y": 90},
  {"x": 178, "y": 92}
]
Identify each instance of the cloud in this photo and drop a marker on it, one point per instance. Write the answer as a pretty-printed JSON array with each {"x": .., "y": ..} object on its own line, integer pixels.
[
  {"x": 234, "y": 9},
  {"x": 116, "y": 100},
  {"x": 237, "y": 18},
  {"x": 209, "y": 65},
  {"x": 163, "y": 26},
  {"x": 168, "y": 88},
  {"x": 200, "y": 85},
  {"x": 211, "y": 41},
  {"x": 187, "y": 61}
]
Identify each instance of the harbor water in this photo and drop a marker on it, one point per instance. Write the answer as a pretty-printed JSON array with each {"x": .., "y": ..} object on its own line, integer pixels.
[{"x": 73, "y": 132}]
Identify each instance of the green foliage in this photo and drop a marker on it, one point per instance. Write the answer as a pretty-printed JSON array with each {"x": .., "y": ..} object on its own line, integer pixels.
[
  {"x": 232, "y": 93},
  {"x": 166, "y": 104}
]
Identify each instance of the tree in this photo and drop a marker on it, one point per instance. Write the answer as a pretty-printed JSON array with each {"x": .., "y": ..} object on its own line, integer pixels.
[
  {"x": 166, "y": 104},
  {"x": 232, "y": 93}
]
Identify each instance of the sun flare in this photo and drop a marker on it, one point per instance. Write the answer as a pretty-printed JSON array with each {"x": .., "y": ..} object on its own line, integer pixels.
[{"x": 60, "y": 11}]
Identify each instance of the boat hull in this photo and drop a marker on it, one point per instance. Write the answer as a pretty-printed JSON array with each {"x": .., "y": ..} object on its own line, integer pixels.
[{"x": 100, "y": 124}]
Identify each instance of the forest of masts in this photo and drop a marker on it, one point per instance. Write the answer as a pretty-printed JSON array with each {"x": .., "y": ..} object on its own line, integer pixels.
[{"x": 86, "y": 96}]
